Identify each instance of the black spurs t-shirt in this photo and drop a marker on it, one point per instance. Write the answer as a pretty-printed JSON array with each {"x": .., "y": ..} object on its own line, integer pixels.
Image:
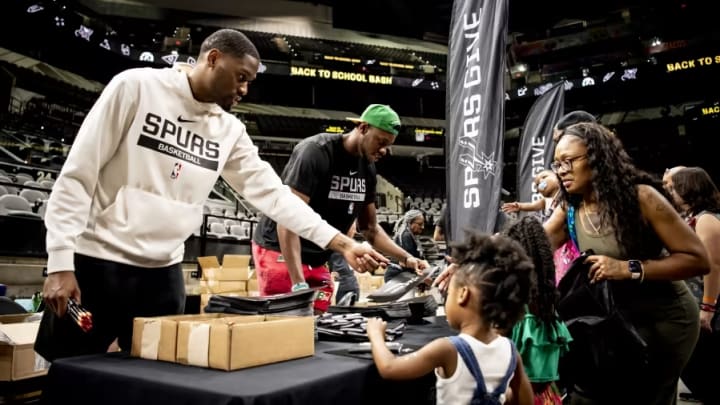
[{"x": 339, "y": 186}]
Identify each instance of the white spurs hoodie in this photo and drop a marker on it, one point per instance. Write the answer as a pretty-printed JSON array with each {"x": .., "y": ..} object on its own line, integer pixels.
[{"x": 142, "y": 165}]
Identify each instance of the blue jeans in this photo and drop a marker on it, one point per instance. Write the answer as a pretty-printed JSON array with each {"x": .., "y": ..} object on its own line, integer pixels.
[{"x": 346, "y": 276}]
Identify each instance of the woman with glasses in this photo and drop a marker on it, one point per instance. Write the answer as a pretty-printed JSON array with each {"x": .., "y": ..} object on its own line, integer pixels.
[
  {"x": 405, "y": 234},
  {"x": 642, "y": 247}
]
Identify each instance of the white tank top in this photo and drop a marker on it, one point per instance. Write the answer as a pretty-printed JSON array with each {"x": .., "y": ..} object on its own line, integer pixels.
[{"x": 493, "y": 359}]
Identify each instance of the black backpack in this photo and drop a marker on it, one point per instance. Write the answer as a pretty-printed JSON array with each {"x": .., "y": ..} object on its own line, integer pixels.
[{"x": 605, "y": 346}]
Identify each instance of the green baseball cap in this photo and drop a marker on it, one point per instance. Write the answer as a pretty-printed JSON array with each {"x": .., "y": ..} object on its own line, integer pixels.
[{"x": 381, "y": 117}]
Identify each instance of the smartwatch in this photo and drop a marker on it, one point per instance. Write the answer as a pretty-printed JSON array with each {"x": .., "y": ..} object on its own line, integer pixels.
[{"x": 636, "y": 270}]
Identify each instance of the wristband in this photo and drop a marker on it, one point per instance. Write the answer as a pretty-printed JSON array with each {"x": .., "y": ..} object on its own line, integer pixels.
[
  {"x": 707, "y": 308},
  {"x": 300, "y": 286},
  {"x": 708, "y": 300}
]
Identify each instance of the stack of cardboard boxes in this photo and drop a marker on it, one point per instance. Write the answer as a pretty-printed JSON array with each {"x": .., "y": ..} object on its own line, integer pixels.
[
  {"x": 223, "y": 341},
  {"x": 18, "y": 359},
  {"x": 368, "y": 283},
  {"x": 233, "y": 278}
]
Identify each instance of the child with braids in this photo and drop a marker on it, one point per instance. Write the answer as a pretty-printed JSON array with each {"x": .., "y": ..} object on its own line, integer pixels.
[
  {"x": 541, "y": 337},
  {"x": 488, "y": 292}
]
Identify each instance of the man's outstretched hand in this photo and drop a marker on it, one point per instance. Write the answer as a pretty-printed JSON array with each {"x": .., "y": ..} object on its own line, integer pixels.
[{"x": 362, "y": 257}]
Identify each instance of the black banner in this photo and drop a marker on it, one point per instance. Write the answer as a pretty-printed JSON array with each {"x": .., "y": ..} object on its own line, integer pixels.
[
  {"x": 536, "y": 148},
  {"x": 475, "y": 115}
]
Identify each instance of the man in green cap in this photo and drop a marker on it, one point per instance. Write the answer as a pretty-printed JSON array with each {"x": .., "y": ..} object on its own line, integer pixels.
[{"x": 335, "y": 174}]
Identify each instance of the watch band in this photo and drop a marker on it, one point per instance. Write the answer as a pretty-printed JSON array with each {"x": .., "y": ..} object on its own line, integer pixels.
[{"x": 637, "y": 272}]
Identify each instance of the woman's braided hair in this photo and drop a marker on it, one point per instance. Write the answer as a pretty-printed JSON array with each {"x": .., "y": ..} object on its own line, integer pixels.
[{"x": 543, "y": 297}]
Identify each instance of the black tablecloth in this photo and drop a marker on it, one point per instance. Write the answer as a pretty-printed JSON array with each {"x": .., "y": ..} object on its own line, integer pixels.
[{"x": 322, "y": 379}]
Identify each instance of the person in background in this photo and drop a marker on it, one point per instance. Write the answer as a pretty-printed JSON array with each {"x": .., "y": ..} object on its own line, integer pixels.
[
  {"x": 698, "y": 196},
  {"x": 548, "y": 185},
  {"x": 540, "y": 337},
  {"x": 407, "y": 229},
  {"x": 643, "y": 247},
  {"x": 695, "y": 284},
  {"x": 405, "y": 235},
  {"x": 335, "y": 174},
  {"x": 667, "y": 183},
  {"x": 488, "y": 292},
  {"x": 571, "y": 118},
  {"x": 347, "y": 282},
  {"x": 133, "y": 187},
  {"x": 439, "y": 231}
]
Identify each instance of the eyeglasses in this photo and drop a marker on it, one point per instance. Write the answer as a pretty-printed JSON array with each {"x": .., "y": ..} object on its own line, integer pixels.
[{"x": 566, "y": 164}]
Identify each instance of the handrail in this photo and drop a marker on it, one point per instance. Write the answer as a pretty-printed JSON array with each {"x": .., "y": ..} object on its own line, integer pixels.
[
  {"x": 228, "y": 191},
  {"x": 35, "y": 168}
]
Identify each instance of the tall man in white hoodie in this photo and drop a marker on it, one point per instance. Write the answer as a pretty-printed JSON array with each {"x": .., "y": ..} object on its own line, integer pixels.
[{"x": 132, "y": 191}]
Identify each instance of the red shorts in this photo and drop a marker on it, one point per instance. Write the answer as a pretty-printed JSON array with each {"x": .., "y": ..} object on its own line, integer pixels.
[{"x": 273, "y": 276}]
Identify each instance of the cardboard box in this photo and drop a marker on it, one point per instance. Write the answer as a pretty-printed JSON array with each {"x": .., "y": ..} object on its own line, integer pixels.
[
  {"x": 364, "y": 283},
  {"x": 14, "y": 318},
  {"x": 155, "y": 338},
  {"x": 219, "y": 287},
  {"x": 234, "y": 268},
  {"x": 252, "y": 285},
  {"x": 18, "y": 359},
  {"x": 237, "y": 261},
  {"x": 376, "y": 282},
  {"x": 209, "y": 266},
  {"x": 238, "y": 342}
]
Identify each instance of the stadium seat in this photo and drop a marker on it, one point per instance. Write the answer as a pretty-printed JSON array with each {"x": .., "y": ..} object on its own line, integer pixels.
[
  {"x": 16, "y": 206},
  {"x": 23, "y": 177},
  {"x": 47, "y": 183},
  {"x": 217, "y": 230},
  {"x": 32, "y": 183},
  {"x": 33, "y": 196},
  {"x": 242, "y": 232},
  {"x": 6, "y": 179}
]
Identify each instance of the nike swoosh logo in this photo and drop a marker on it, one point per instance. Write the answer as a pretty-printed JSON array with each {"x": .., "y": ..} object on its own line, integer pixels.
[
  {"x": 181, "y": 119},
  {"x": 353, "y": 173}
]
